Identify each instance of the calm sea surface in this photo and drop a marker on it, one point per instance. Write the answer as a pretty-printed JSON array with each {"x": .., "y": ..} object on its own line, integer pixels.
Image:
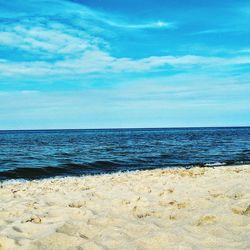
[{"x": 43, "y": 153}]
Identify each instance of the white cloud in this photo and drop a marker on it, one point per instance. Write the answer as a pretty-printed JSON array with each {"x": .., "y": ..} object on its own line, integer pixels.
[
  {"x": 49, "y": 33},
  {"x": 214, "y": 31},
  {"x": 244, "y": 51},
  {"x": 86, "y": 14},
  {"x": 183, "y": 97},
  {"x": 98, "y": 61},
  {"x": 47, "y": 39},
  {"x": 60, "y": 48},
  {"x": 152, "y": 25}
]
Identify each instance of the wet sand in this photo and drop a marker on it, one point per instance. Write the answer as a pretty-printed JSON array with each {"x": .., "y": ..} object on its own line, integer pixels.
[{"x": 199, "y": 208}]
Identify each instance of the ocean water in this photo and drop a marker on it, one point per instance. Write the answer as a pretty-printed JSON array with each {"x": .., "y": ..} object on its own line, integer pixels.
[{"x": 49, "y": 153}]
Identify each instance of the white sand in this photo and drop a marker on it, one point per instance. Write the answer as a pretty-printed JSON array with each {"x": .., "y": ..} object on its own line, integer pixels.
[{"x": 201, "y": 208}]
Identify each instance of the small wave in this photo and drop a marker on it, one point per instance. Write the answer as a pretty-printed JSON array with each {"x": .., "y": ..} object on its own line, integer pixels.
[
  {"x": 30, "y": 173},
  {"x": 62, "y": 170},
  {"x": 246, "y": 151},
  {"x": 238, "y": 162},
  {"x": 104, "y": 166},
  {"x": 215, "y": 164},
  {"x": 64, "y": 154}
]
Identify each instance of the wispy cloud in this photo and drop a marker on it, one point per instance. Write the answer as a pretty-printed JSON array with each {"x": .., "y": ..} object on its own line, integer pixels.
[
  {"x": 60, "y": 46},
  {"x": 244, "y": 51},
  {"x": 136, "y": 102},
  {"x": 214, "y": 31},
  {"x": 72, "y": 44},
  {"x": 117, "y": 21},
  {"x": 152, "y": 25},
  {"x": 42, "y": 36},
  {"x": 99, "y": 62}
]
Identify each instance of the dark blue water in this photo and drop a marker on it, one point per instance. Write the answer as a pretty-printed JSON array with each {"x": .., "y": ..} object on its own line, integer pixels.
[{"x": 40, "y": 154}]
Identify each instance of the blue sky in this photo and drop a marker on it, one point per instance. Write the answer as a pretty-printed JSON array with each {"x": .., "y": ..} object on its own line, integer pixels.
[{"x": 140, "y": 63}]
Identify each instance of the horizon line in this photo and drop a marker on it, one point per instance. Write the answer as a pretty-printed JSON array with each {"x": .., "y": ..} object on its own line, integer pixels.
[{"x": 125, "y": 128}]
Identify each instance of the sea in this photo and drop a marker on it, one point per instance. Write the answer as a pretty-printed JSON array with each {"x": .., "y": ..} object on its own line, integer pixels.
[{"x": 36, "y": 154}]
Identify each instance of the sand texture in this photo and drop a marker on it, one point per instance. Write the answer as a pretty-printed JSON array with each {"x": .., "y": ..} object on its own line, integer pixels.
[{"x": 200, "y": 208}]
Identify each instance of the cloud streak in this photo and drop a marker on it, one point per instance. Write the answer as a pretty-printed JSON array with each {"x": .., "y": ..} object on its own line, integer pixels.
[
  {"x": 99, "y": 62},
  {"x": 134, "y": 102},
  {"x": 152, "y": 25},
  {"x": 67, "y": 45},
  {"x": 61, "y": 47}
]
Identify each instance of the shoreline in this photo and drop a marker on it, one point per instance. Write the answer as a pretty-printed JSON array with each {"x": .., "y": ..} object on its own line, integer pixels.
[
  {"x": 196, "y": 208},
  {"x": 212, "y": 165}
]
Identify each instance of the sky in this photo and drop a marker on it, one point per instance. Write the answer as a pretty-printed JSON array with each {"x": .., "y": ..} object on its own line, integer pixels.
[{"x": 118, "y": 64}]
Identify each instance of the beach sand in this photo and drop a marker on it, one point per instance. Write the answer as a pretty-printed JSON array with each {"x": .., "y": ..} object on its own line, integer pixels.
[{"x": 199, "y": 208}]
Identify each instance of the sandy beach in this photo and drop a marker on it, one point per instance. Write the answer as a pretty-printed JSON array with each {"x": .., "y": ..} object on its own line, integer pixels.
[{"x": 199, "y": 208}]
